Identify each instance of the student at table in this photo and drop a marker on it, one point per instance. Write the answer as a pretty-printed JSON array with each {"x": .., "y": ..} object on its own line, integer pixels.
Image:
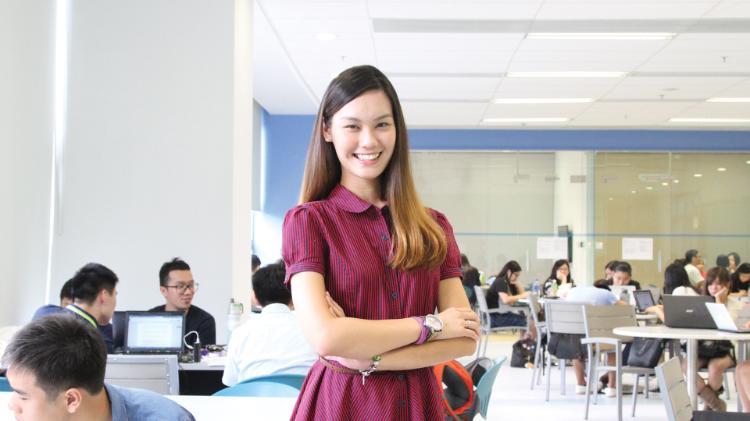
[
  {"x": 676, "y": 282},
  {"x": 559, "y": 281},
  {"x": 609, "y": 271},
  {"x": 623, "y": 276},
  {"x": 271, "y": 342},
  {"x": 692, "y": 260},
  {"x": 734, "y": 262},
  {"x": 718, "y": 356},
  {"x": 741, "y": 280},
  {"x": 56, "y": 365},
  {"x": 508, "y": 290}
]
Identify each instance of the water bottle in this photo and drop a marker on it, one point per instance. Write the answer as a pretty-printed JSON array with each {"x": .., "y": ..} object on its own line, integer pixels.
[
  {"x": 234, "y": 314},
  {"x": 554, "y": 288},
  {"x": 535, "y": 287}
]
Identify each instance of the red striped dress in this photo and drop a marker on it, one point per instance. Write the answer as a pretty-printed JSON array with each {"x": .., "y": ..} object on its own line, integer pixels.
[{"x": 347, "y": 240}]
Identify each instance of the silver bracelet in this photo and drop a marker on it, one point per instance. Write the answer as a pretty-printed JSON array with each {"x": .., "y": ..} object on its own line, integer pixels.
[{"x": 373, "y": 366}]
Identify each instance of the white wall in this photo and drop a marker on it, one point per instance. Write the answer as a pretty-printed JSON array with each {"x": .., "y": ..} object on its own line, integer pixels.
[
  {"x": 159, "y": 126},
  {"x": 26, "y": 42}
]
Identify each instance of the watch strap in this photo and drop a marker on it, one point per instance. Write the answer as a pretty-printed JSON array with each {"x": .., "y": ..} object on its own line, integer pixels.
[{"x": 425, "y": 333}]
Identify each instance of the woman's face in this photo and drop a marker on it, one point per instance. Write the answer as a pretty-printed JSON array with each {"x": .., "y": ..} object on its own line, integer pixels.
[
  {"x": 514, "y": 277},
  {"x": 363, "y": 134},
  {"x": 714, "y": 287},
  {"x": 732, "y": 263},
  {"x": 608, "y": 273},
  {"x": 744, "y": 277},
  {"x": 563, "y": 271}
]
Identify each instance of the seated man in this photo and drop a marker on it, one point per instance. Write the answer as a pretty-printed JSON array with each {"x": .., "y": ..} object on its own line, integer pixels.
[
  {"x": 94, "y": 298},
  {"x": 178, "y": 288},
  {"x": 55, "y": 366},
  {"x": 623, "y": 276},
  {"x": 271, "y": 342},
  {"x": 66, "y": 297}
]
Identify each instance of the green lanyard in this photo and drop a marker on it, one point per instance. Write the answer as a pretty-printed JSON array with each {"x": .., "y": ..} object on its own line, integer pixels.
[{"x": 83, "y": 314}]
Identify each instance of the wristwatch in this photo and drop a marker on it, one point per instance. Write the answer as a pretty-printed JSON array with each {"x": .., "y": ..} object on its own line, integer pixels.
[{"x": 431, "y": 324}]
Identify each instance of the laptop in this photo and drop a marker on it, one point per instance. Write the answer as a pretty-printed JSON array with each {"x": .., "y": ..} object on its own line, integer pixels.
[
  {"x": 686, "y": 311},
  {"x": 624, "y": 293},
  {"x": 154, "y": 332},
  {"x": 643, "y": 300},
  {"x": 119, "y": 325},
  {"x": 723, "y": 319}
]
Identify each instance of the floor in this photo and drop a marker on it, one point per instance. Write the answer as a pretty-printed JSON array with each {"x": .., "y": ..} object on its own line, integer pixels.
[{"x": 513, "y": 399}]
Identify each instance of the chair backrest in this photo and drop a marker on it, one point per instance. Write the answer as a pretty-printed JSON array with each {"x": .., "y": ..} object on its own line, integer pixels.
[
  {"x": 534, "y": 306},
  {"x": 674, "y": 391},
  {"x": 284, "y": 385},
  {"x": 484, "y": 388},
  {"x": 743, "y": 315},
  {"x": 481, "y": 299},
  {"x": 4, "y": 385},
  {"x": 158, "y": 373},
  {"x": 564, "y": 317},
  {"x": 599, "y": 321}
]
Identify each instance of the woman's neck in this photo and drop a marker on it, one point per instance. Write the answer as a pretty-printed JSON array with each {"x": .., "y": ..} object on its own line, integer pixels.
[{"x": 367, "y": 190}]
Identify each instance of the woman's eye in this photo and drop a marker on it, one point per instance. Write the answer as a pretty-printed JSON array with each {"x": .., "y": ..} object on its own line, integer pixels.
[
  {"x": 350, "y": 127},
  {"x": 383, "y": 124}
]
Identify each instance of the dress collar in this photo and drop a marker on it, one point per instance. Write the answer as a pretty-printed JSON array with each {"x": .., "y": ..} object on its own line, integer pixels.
[{"x": 347, "y": 200}]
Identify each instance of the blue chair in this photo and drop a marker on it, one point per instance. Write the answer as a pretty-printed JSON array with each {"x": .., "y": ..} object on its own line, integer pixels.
[
  {"x": 282, "y": 385},
  {"x": 484, "y": 388},
  {"x": 4, "y": 385}
]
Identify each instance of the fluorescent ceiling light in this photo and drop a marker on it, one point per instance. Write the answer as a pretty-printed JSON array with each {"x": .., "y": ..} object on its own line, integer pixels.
[
  {"x": 665, "y": 184},
  {"x": 542, "y": 100},
  {"x": 676, "y": 181},
  {"x": 565, "y": 74},
  {"x": 649, "y": 188},
  {"x": 709, "y": 120},
  {"x": 721, "y": 169},
  {"x": 325, "y": 36},
  {"x": 627, "y": 36},
  {"x": 697, "y": 175},
  {"x": 736, "y": 99},
  {"x": 634, "y": 191},
  {"x": 527, "y": 120}
]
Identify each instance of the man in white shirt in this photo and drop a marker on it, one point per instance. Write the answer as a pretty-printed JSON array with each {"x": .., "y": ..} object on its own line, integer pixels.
[
  {"x": 692, "y": 258},
  {"x": 271, "y": 342}
]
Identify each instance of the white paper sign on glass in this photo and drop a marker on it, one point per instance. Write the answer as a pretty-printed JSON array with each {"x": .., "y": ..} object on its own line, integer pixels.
[
  {"x": 634, "y": 248},
  {"x": 552, "y": 248}
]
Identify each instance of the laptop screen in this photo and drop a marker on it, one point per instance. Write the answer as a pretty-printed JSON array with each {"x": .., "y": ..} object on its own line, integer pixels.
[
  {"x": 154, "y": 332},
  {"x": 644, "y": 299}
]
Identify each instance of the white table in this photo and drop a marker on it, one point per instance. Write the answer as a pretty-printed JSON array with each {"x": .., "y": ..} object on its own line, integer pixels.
[
  {"x": 209, "y": 408},
  {"x": 692, "y": 336}
]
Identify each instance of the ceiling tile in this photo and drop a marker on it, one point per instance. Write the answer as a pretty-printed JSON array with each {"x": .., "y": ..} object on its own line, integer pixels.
[
  {"x": 435, "y": 62},
  {"x": 452, "y": 114},
  {"x": 446, "y": 43},
  {"x": 629, "y": 114},
  {"x": 444, "y": 88},
  {"x": 670, "y": 87},
  {"x": 453, "y": 9},
  {"x": 554, "y": 87},
  {"x": 596, "y": 9}
]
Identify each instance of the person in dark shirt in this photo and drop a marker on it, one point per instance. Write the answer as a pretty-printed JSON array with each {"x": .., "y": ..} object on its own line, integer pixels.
[
  {"x": 94, "y": 293},
  {"x": 507, "y": 289},
  {"x": 178, "y": 288},
  {"x": 469, "y": 279},
  {"x": 623, "y": 276},
  {"x": 741, "y": 280},
  {"x": 609, "y": 272}
]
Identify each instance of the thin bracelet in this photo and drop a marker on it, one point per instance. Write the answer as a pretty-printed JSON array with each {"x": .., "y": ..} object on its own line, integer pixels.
[{"x": 373, "y": 366}]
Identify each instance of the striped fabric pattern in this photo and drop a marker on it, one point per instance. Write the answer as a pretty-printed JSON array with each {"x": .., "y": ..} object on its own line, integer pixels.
[{"x": 347, "y": 240}]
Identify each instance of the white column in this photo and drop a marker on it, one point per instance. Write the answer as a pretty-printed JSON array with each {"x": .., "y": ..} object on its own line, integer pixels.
[{"x": 574, "y": 207}]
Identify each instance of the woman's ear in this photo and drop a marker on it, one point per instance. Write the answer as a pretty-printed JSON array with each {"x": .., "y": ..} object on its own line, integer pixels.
[{"x": 327, "y": 133}]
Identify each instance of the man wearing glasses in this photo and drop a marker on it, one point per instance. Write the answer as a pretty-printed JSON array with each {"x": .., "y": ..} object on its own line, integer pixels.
[{"x": 178, "y": 287}]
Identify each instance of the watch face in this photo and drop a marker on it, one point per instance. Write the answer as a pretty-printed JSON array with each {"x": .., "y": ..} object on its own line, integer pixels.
[{"x": 434, "y": 323}]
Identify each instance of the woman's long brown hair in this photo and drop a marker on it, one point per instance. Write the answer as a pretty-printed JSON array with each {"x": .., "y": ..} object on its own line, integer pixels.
[{"x": 418, "y": 241}]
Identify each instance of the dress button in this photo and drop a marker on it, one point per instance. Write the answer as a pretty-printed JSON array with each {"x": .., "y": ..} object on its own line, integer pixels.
[
  {"x": 394, "y": 295},
  {"x": 401, "y": 377},
  {"x": 384, "y": 237},
  {"x": 401, "y": 402}
]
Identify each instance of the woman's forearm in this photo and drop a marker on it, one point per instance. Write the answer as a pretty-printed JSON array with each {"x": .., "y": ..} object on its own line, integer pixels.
[
  {"x": 361, "y": 339},
  {"x": 426, "y": 355}
]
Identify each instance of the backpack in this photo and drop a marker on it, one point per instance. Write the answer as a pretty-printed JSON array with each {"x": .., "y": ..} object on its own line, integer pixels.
[
  {"x": 523, "y": 352},
  {"x": 457, "y": 383}
]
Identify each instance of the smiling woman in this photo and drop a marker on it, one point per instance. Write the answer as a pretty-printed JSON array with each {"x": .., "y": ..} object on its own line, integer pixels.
[{"x": 368, "y": 264}]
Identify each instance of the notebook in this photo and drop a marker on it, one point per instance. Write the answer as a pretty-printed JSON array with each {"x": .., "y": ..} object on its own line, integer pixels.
[
  {"x": 723, "y": 319},
  {"x": 688, "y": 311},
  {"x": 154, "y": 332},
  {"x": 643, "y": 300}
]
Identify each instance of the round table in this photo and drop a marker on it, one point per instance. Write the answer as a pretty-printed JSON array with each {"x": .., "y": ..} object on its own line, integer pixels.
[{"x": 692, "y": 336}]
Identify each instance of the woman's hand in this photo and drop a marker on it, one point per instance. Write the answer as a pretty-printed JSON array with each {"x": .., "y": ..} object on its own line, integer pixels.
[
  {"x": 721, "y": 295},
  {"x": 458, "y": 323},
  {"x": 334, "y": 307}
]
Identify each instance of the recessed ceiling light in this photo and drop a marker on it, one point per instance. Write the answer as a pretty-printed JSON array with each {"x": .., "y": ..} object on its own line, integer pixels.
[
  {"x": 565, "y": 74},
  {"x": 709, "y": 120},
  {"x": 721, "y": 169},
  {"x": 664, "y": 183},
  {"x": 611, "y": 199},
  {"x": 542, "y": 100},
  {"x": 697, "y": 175},
  {"x": 676, "y": 181},
  {"x": 527, "y": 120},
  {"x": 634, "y": 191},
  {"x": 649, "y": 188},
  {"x": 325, "y": 36},
  {"x": 634, "y": 36},
  {"x": 747, "y": 162},
  {"x": 729, "y": 99}
]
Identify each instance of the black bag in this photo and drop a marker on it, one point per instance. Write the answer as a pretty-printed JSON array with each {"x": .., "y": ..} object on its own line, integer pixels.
[
  {"x": 645, "y": 352},
  {"x": 714, "y": 349},
  {"x": 566, "y": 346},
  {"x": 523, "y": 352}
]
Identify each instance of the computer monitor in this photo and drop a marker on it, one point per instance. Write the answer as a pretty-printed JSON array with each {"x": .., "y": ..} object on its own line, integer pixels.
[
  {"x": 644, "y": 299},
  {"x": 154, "y": 332},
  {"x": 119, "y": 325}
]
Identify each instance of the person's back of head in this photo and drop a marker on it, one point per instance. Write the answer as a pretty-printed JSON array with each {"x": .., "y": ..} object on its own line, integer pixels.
[
  {"x": 268, "y": 285},
  {"x": 255, "y": 263},
  {"x": 53, "y": 356},
  {"x": 66, "y": 293},
  {"x": 722, "y": 260},
  {"x": 90, "y": 280},
  {"x": 690, "y": 255},
  {"x": 676, "y": 276}
]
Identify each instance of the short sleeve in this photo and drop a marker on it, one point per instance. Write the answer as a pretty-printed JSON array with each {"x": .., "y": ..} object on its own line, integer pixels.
[
  {"x": 302, "y": 245},
  {"x": 451, "y": 267}
]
